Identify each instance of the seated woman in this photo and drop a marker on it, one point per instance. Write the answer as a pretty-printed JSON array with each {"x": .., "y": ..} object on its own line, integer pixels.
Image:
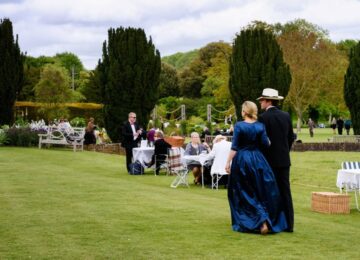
[
  {"x": 160, "y": 151},
  {"x": 195, "y": 147}
]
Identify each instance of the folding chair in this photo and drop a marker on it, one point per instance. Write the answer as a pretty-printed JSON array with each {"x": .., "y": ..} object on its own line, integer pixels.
[
  {"x": 177, "y": 167},
  {"x": 215, "y": 178}
]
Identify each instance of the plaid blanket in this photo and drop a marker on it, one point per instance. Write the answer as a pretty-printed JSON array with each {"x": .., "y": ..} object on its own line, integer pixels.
[{"x": 175, "y": 163}]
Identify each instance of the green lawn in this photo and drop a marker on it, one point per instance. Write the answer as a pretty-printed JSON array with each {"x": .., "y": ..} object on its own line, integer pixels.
[
  {"x": 65, "y": 205},
  {"x": 321, "y": 135}
]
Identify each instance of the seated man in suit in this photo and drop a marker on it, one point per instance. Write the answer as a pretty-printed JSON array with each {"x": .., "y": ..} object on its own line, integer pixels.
[{"x": 160, "y": 152}]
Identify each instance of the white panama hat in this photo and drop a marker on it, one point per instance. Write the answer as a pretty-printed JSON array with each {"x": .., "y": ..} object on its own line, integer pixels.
[{"x": 270, "y": 93}]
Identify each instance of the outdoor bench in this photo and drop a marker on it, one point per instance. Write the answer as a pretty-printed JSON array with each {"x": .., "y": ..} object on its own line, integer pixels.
[{"x": 73, "y": 137}]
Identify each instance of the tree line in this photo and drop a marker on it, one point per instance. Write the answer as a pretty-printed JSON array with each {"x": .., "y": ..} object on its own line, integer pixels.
[{"x": 297, "y": 58}]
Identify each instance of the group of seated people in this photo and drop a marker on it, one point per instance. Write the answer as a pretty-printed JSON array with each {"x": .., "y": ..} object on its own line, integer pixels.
[{"x": 216, "y": 157}]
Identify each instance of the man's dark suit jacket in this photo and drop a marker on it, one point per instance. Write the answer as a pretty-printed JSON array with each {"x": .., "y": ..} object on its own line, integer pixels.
[
  {"x": 280, "y": 132},
  {"x": 127, "y": 135}
]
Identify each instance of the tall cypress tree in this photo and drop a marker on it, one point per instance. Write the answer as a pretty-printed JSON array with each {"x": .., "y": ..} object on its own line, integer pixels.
[
  {"x": 11, "y": 71},
  {"x": 129, "y": 74},
  {"x": 352, "y": 87},
  {"x": 256, "y": 63}
]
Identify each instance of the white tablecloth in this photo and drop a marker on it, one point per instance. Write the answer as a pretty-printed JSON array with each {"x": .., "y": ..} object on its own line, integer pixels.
[
  {"x": 143, "y": 154},
  {"x": 201, "y": 158},
  {"x": 348, "y": 179}
]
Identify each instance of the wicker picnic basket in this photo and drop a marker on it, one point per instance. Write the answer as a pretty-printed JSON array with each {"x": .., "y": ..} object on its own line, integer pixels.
[
  {"x": 330, "y": 203},
  {"x": 175, "y": 141}
]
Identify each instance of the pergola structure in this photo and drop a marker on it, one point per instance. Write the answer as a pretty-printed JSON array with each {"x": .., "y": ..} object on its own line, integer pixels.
[{"x": 21, "y": 107}]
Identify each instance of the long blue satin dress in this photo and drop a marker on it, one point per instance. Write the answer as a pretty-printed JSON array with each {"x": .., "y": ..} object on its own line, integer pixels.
[{"x": 252, "y": 191}]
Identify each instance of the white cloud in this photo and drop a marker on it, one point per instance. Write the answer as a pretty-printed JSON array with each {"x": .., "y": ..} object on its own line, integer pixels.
[{"x": 47, "y": 27}]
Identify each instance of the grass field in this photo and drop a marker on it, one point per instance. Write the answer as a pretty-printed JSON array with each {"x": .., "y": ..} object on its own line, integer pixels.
[
  {"x": 57, "y": 204},
  {"x": 321, "y": 135}
]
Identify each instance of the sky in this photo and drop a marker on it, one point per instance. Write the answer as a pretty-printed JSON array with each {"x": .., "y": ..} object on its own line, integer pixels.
[{"x": 47, "y": 27}]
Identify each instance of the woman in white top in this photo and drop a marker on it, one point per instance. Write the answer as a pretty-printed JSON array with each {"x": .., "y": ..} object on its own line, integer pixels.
[{"x": 220, "y": 151}]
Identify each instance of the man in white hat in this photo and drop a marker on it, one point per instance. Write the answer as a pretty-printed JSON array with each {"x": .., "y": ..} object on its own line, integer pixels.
[{"x": 280, "y": 132}]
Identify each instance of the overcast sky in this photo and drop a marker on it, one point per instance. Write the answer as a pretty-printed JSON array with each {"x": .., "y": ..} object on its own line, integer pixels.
[{"x": 47, "y": 27}]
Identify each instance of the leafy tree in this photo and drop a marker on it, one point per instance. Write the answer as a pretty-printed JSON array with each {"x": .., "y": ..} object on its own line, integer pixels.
[
  {"x": 129, "y": 76},
  {"x": 84, "y": 78},
  {"x": 217, "y": 81},
  {"x": 91, "y": 89},
  {"x": 315, "y": 78},
  {"x": 72, "y": 64},
  {"x": 191, "y": 79},
  {"x": 52, "y": 91},
  {"x": 352, "y": 87},
  {"x": 169, "y": 81},
  {"x": 180, "y": 60},
  {"x": 11, "y": 71},
  {"x": 256, "y": 63},
  {"x": 69, "y": 61},
  {"x": 302, "y": 26},
  {"x": 199, "y": 75},
  {"x": 313, "y": 113},
  {"x": 346, "y": 45},
  {"x": 33, "y": 67},
  {"x": 39, "y": 62}
]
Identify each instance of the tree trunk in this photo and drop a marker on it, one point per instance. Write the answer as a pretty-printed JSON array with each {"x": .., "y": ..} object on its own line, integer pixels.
[{"x": 299, "y": 121}]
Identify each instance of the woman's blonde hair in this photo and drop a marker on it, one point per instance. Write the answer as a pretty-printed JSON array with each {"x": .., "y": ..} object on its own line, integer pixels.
[
  {"x": 195, "y": 134},
  {"x": 250, "y": 109},
  {"x": 218, "y": 138}
]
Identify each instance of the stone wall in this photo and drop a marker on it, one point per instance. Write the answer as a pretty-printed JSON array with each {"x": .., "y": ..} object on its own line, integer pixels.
[
  {"x": 115, "y": 148},
  {"x": 297, "y": 147},
  {"x": 346, "y": 147}
]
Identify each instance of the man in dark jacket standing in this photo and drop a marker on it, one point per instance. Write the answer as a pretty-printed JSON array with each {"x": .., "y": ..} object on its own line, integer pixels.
[
  {"x": 340, "y": 125},
  {"x": 280, "y": 131},
  {"x": 131, "y": 135}
]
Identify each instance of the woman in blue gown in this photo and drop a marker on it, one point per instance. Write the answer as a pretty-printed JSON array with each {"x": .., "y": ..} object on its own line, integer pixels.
[{"x": 252, "y": 191}]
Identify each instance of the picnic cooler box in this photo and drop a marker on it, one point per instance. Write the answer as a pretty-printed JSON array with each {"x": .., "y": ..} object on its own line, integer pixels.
[{"x": 330, "y": 203}]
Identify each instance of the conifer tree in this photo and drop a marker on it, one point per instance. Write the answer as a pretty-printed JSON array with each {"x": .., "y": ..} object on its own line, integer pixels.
[
  {"x": 256, "y": 63},
  {"x": 11, "y": 71},
  {"x": 352, "y": 87},
  {"x": 129, "y": 75}
]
